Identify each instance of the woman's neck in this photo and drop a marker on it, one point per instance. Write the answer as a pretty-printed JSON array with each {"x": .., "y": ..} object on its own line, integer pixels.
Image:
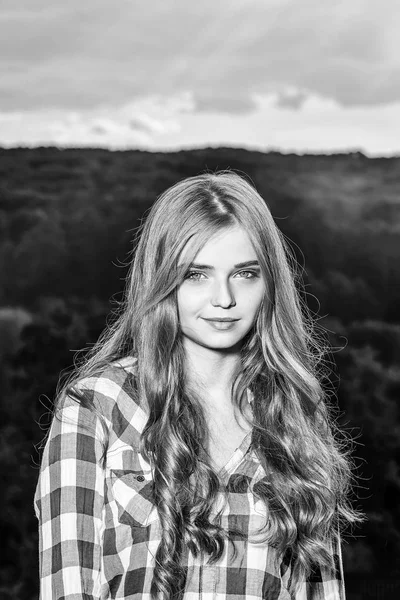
[{"x": 212, "y": 371}]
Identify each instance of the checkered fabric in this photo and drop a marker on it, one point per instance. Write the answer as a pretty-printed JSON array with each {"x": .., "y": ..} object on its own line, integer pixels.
[{"x": 99, "y": 528}]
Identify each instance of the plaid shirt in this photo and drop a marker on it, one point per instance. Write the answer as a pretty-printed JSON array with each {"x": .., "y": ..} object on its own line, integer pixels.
[{"x": 99, "y": 529}]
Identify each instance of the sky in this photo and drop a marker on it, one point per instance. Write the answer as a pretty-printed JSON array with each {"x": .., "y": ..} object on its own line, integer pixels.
[{"x": 288, "y": 75}]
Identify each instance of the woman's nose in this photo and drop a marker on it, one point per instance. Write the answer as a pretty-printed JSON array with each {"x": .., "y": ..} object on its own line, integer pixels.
[{"x": 222, "y": 295}]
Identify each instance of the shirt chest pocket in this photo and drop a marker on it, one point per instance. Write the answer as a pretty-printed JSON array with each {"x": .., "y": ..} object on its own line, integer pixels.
[{"x": 132, "y": 490}]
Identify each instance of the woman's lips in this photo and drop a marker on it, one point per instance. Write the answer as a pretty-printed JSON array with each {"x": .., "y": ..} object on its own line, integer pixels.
[{"x": 221, "y": 325}]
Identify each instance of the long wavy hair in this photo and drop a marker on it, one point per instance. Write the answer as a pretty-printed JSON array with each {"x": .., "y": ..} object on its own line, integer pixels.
[{"x": 308, "y": 466}]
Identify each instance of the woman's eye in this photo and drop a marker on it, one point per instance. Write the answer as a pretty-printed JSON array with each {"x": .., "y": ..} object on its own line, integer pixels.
[
  {"x": 193, "y": 275},
  {"x": 249, "y": 274}
]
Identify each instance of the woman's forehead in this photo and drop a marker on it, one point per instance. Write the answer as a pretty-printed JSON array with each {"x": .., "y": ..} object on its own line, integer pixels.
[{"x": 225, "y": 245}]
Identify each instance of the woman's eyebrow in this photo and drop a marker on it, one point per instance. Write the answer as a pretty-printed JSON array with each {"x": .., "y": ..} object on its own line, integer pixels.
[{"x": 248, "y": 263}]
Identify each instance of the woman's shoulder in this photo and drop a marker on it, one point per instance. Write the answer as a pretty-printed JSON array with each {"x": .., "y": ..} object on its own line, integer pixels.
[
  {"x": 110, "y": 379},
  {"x": 112, "y": 391}
]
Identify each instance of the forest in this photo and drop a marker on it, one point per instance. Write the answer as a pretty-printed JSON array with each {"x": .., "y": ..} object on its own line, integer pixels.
[{"x": 67, "y": 221}]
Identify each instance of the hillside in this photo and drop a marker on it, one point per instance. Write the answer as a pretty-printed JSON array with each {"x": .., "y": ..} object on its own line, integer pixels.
[{"x": 67, "y": 219}]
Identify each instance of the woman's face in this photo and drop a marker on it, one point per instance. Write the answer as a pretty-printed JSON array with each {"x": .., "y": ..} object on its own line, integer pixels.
[{"x": 219, "y": 286}]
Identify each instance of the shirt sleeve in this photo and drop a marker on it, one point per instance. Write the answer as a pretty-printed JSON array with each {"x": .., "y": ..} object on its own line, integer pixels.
[
  {"x": 323, "y": 583},
  {"x": 69, "y": 505}
]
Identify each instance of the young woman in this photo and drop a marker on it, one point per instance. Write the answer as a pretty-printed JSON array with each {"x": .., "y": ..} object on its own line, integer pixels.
[{"x": 193, "y": 455}]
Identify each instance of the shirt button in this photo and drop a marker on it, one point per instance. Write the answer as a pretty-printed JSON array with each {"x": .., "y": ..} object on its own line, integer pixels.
[{"x": 140, "y": 478}]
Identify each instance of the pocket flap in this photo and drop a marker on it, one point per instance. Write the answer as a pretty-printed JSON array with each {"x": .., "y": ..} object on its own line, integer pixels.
[{"x": 133, "y": 494}]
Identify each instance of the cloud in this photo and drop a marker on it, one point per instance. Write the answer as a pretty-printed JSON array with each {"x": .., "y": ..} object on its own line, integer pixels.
[
  {"x": 82, "y": 56},
  {"x": 291, "y": 99},
  {"x": 168, "y": 124},
  {"x": 142, "y": 123}
]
